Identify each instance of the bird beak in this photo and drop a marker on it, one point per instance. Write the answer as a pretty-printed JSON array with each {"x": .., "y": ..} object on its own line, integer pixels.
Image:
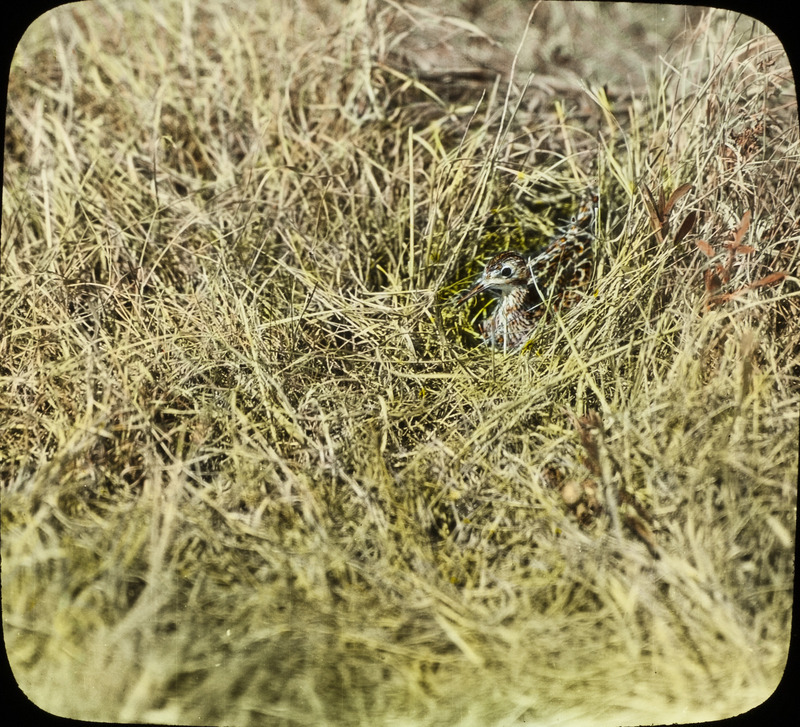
[{"x": 479, "y": 287}]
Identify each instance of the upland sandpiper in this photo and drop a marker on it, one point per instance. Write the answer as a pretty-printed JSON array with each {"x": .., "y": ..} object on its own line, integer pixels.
[{"x": 554, "y": 279}]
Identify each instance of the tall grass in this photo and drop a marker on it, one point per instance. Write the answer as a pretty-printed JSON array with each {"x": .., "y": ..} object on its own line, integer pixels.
[{"x": 255, "y": 467}]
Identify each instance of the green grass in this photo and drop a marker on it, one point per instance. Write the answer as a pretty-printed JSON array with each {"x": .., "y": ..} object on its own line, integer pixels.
[{"x": 255, "y": 468}]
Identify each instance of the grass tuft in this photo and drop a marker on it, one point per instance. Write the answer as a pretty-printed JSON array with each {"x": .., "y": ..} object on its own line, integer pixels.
[{"x": 255, "y": 466}]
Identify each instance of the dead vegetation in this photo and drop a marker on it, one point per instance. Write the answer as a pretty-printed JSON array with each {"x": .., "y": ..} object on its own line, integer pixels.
[{"x": 255, "y": 468}]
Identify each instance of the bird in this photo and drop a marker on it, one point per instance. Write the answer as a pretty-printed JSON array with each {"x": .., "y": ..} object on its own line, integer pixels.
[{"x": 527, "y": 287}]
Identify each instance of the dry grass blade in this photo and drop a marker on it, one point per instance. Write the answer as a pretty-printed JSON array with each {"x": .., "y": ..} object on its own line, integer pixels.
[{"x": 654, "y": 209}]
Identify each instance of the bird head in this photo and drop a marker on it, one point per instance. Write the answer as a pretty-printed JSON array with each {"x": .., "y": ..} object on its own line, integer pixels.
[{"x": 502, "y": 274}]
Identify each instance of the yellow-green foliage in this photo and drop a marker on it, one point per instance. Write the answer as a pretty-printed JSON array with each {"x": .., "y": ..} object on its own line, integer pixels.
[{"x": 255, "y": 469}]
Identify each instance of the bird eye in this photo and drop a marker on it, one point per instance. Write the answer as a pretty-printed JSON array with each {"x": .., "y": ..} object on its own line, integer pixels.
[{"x": 506, "y": 271}]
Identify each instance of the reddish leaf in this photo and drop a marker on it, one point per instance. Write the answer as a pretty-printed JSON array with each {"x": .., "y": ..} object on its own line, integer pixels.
[
  {"x": 770, "y": 279},
  {"x": 724, "y": 271},
  {"x": 712, "y": 281},
  {"x": 675, "y": 196},
  {"x": 705, "y": 248},
  {"x": 686, "y": 227},
  {"x": 715, "y": 300},
  {"x": 743, "y": 225}
]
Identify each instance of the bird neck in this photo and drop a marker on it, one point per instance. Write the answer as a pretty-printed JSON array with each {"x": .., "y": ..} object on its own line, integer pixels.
[{"x": 514, "y": 298}]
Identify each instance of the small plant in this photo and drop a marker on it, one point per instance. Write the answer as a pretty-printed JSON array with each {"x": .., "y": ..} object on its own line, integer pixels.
[{"x": 720, "y": 274}]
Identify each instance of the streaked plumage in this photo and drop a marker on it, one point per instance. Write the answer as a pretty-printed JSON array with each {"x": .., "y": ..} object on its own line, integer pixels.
[{"x": 527, "y": 287}]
